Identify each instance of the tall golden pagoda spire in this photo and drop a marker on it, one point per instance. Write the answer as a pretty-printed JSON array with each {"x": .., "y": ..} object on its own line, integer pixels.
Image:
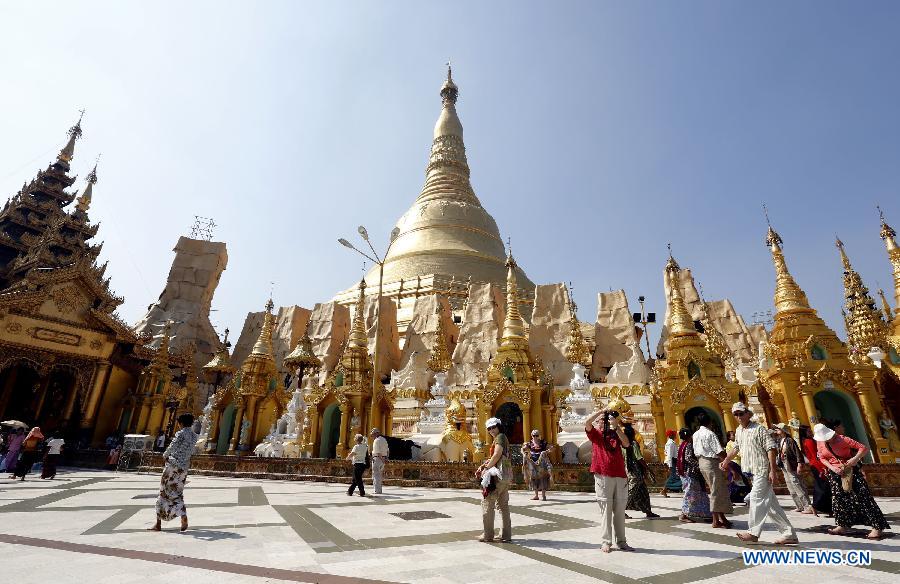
[
  {"x": 890, "y": 243},
  {"x": 68, "y": 152},
  {"x": 788, "y": 295},
  {"x": 865, "y": 326},
  {"x": 358, "y": 337},
  {"x": 680, "y": 322},
  {"x": 513, "y": 324}
]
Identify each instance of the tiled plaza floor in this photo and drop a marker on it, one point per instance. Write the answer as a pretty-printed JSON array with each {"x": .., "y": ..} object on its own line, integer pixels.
[{"x": 90, "y": 526}]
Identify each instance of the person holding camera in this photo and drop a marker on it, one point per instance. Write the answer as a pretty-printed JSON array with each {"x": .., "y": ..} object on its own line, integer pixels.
[{"x": 610, "y": 482}]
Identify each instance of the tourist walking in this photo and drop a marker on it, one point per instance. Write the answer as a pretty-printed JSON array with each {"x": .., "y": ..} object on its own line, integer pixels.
[
  {"x": 52, "y": 455},
  {"x": 14, "y": 444},
  {"x": 177, "y": 458},
  {"x": 710, "y": 454},
  {"x": 380, "y": 453},
  {"x": 536, "y": 467},
  {"x": 757, "y": 450},
  {"x": 821, "y": 501},
  {"x": 695, "y": 502},
  {"x": 496, "y": 499},
  {"x": 637, "y": 472},
  {"x": 673, "y": 482},
  {"x": 790, "y": 461},
  {"x": 610, "y": 479},
  {"x": 359, "y": 455},
  {"x": 852, "y": 502},
  {"x": 28, "y": 453}
]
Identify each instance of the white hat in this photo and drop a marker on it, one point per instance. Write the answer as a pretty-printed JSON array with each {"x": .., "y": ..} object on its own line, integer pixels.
[
  {"x": 739, "y": 407},
  {"x": 492, "y": 422},
  {"x": 822, "y": 433}
]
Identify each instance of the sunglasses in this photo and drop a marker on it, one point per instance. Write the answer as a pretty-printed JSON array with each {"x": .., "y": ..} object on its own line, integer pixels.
[{"x": 740, "y": 413}]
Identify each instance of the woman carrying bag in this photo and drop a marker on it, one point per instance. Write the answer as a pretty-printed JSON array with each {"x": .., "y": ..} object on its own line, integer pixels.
[{"x": 852, "y": 502}]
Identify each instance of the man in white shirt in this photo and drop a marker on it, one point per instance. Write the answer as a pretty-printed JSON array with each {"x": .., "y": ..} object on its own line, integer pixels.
[
  {"x": 380, "y": 454},
  {"x": 757, "y": 450},
  {"x": 51, "y": 457},
  {"x": 710, "y": 453},
  {"x": 671, "y": 451}
]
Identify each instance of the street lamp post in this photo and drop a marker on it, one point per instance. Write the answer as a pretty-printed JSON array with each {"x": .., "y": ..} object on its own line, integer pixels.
[
  {"x": 644, "y": 318},
  {"x": 379, "y": 260}
]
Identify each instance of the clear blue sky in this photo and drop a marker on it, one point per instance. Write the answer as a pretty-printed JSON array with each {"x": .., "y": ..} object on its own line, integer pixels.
[{"x": 597, "y": 132}]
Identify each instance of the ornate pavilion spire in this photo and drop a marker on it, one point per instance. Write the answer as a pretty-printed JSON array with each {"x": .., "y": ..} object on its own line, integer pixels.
[
  {"x": 68, "y": 152},
  {"x": 680, "y": 322},
  {"x": 890, "y": 243},
  {"x": 513, "y": 324},
  {"x": 577, "y": 350},
  {"x": 865, "y": 326},
  {"x": 788, "y": 295},
  {"x": 885, "y": 307}
]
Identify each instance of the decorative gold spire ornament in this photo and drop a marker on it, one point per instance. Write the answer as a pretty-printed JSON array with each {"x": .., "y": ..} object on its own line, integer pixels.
[
  {"x": 577, "y": 351},
  {"x": 303, "y": 355},
  {"x": 439, "y": 361},
  {"x": 221, "y": 361},
  {"x": 263, "y": 345},
  {"x": 680, "y": 323},
  {"x": 84, "y": 200},
  {"x": 788, "y": 295},
  {"x": 258, "y": 370},
  {"x": 885, "y": 307},
  {"x": 865, "y": 326}
]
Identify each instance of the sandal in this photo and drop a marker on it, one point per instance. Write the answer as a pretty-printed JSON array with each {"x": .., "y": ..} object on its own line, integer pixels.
[{"x": 747, "y": 537}]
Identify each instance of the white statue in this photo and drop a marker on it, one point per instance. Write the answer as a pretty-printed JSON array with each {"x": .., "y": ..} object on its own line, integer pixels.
[
  {"x": 761, "y": 355},
  {"x": 205, "y": 420},
  {"x": 440, "y": 384},
  {"x": 634, "y": 371},
  {"x": 579, "y": 381}
]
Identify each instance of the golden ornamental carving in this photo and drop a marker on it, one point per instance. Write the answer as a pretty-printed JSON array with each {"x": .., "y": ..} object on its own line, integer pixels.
[
  {"x": 440, "y": 360},
  {"x": 843, "y": 378},
  {"x": 66, "y": 298},
  {"x": 714, "y": 390},
  {"x": 14, "y": 327},
  {"x": 620, "y": 391},
  {"x": 96, "y": 345}
]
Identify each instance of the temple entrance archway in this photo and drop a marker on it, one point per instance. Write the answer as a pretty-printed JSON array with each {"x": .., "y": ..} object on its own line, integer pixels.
[
  {"x": 226, "y": 427},
  {"x": 331, "y": 431},
  {"x": 835, "y": 405},
  {"x": 510, "y": 414},
  {"x": 718, "y": 426}
]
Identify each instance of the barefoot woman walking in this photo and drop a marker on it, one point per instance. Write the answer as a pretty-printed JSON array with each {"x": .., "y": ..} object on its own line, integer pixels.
[{"x": 177, "y": 458}]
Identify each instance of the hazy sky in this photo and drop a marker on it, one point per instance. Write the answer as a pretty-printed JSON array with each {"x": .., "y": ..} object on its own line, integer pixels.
[{"x": 596, "y": 133}]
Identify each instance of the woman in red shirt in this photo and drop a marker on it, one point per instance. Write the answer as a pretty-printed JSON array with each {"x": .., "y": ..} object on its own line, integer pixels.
[
  {"x": 852, "y": 503},
  {"x": 821, "y": 489}
]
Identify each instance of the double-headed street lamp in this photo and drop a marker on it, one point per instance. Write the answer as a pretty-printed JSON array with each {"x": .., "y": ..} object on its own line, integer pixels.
[{"x": 379, "y": 260}]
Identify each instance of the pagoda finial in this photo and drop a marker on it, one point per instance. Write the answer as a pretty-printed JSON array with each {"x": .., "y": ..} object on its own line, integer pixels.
[
  {"x": 844, "y": 259},
  {"x": 788, "y": 294},
  {"x": 887, "y": 232},
  {"x": 449, "y": 90},
  {"x": 680, "y": 321},
  {"x": 68, "y": 151},
  {"x": 439, "y": 361},
  {"x": 84, "y": 200}
]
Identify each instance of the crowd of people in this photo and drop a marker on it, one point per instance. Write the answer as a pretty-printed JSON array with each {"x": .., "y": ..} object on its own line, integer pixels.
[{"x": 21, "y": 449}]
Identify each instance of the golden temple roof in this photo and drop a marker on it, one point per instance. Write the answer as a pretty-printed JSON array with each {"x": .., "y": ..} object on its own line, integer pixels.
[
  {"x": 263, "y": 346},
  {"x": 513, "y": 324},
  {"x": 447, "y": 231},
  {"x": 221, "y": 361},
  {"x": 303, "y": 354},
  {"x": 358, "y": 337},
  {"x": 865, "y": 326},
  {"x": 68, "y": 152}
]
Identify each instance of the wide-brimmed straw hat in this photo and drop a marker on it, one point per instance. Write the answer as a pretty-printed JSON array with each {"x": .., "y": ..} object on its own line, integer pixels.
[{"x": 822, "y": 433}]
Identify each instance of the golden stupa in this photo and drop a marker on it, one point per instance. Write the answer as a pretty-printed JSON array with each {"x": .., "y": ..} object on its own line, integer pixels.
[{"x": 446, "y": 240}]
